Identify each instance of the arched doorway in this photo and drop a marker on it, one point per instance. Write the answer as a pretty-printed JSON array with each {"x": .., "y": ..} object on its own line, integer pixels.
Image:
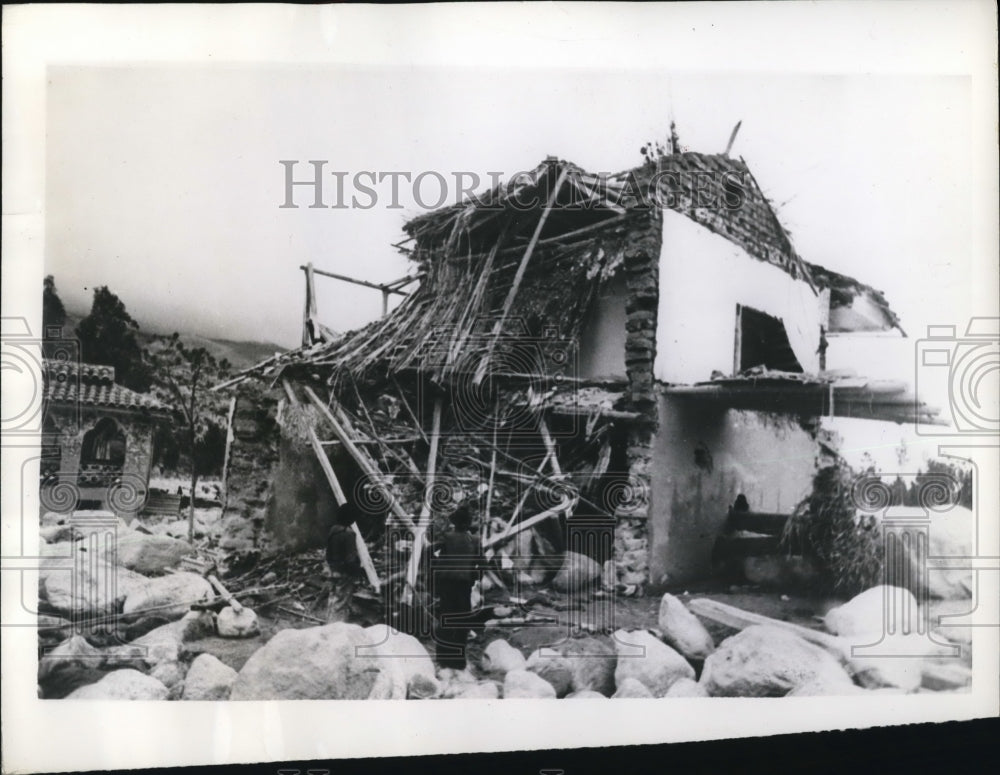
[{"x": 102, "y": 456}]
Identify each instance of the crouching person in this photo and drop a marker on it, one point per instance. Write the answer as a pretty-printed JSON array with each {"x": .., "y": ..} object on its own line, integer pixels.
[
  {"x": 343, "y": 562},
  {"x": 455, "y": 569}
]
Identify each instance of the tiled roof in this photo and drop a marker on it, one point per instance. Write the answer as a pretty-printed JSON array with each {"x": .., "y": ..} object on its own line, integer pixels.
[{"x": 93, "y": 385}]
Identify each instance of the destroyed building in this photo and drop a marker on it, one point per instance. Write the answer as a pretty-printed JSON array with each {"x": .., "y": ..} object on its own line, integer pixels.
[
  {"x": 97, "y": 439},
  {"x": 625, "y": 354}
]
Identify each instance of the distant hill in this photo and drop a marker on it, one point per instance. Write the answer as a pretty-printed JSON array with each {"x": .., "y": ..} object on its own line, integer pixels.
[{"x": 241, "y": 355}]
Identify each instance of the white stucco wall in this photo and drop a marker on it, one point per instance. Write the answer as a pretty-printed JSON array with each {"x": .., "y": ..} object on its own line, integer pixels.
[{"x": 702, "y": 278}]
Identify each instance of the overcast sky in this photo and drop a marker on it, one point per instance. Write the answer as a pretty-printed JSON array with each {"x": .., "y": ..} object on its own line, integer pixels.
[{"x": 164, "y": 182}]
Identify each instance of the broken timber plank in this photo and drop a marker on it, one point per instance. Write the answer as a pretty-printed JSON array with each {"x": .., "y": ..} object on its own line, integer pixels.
[
  {"x": 510, "y": 532},
  {"x": 425, "y": 509},
  {"x": 549, "y": 445},
  {"x": 361, "y": 459},
  {"x": 339, "y": 496},
  {"x": 738, "y": 619}
]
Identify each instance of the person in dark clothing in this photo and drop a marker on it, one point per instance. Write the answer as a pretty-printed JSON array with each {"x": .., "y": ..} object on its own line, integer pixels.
[
  {"x": 344, "y": 563},
  {"x": 455, "y": 570}
]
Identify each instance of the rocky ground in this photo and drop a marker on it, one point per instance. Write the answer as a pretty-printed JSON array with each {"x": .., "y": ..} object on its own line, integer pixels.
[{"x": 161, "y": 631}]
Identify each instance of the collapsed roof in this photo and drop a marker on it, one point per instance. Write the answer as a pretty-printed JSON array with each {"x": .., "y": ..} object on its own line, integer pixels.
[{"x": 523, "y": 262}]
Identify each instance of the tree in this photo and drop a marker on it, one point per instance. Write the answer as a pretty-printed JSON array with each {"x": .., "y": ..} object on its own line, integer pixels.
[
  {"x": 184, "y": 378},
  {"x": 108, "y": 336},
  {"x": 53, "y": 311}
]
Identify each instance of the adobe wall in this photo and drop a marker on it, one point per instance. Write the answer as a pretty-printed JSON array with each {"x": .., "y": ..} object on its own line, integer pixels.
[
  {"x": 601, "y": 353},
  {"x": 703, "y": 457}
]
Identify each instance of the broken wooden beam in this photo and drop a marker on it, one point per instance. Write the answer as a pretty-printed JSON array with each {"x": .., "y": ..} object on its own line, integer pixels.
[
  {"x": 518, "y": 277},
  {"x": 513, "y": 530},
  {"x": 339, "y": 496},
  {"x": 425, "y": 509},
  {"x": 361, "y": 459}
]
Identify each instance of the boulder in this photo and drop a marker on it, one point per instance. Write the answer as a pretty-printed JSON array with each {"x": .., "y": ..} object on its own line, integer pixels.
[
  {"x": 767, "y": 661},
  {"x": 421, "y": 687},
  {"x": 314, "y": 663},
  {"x": 895, "y": 662},
  {"x": 73, "y": 653},
  {"x": 522, "y": 684},
  {"x": 952, "y": 534},
  {"x": 196, "y": 625},
  {"x": 683, "y": 631},
  {"x": 632, "y": 687},
  {"x": 56, "y": 533},
  {"x": 164, "y": 644},
  {"x": 169, "y": 596},
  {"x": 578, "y": 573},
  {"x": 170, "y": 674},
  {"x": 73, "y": 584},
  {"x": 686, "y": 687},
  {"x": 499, "y": 658},
  {"x": 586, "y": 694},
  {"x": 659, "y": 666},
  {"x": 149, "y": 554},
  {"x": 576, "y": 664},
  {"x": 208, "y": 679},
  {"x": 122, "y": 685},
  {"x": 867, "y": 614},
  {"x": 230, "y": 624},
  {"x": 481, "y": 690},
  {"x": 553, "y": 668},
  {"x": 401, "y": 657}
]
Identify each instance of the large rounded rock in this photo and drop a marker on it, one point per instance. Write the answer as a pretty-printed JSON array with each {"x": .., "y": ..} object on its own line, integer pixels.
[
  {"x": 650, "y": 661},
  {"x": 686, "y": 687},
  {"x": 316, "y": 663},
  {"x": 766, "y": 661},
  {"x": 499, "y": 658},
  {"x": 683, "y": 631},
  {"x": 868, "y": 614},
  {"x": 122, "y": 685},
  {"x": 170, "y": 674},
  {"x": 481, "y": 690},
  {"x": 523, "y": 684},
  {"x": 826, "y": 687},
  {"x": 149, "y": 554},
  {"x": 208, "y": 679},
  {"x": 403, "y": 659},
  {"x": 553, "y": 668},
  {"x": 231, "y": 624},
  {"x": 576, "y": 665},
  {"x": 168, "y": 596},
  {"x": 156, "y": 647},
  {"x": 73, "y": 584},
  {"x": 632, "y": 688},
  {"x": 73, "y": 653},
  {"x": 893, "y": 662},
  {"x": 578, "y": 573}
]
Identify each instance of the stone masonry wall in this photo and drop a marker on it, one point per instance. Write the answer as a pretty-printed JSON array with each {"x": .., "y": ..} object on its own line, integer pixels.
[{"x": 642, "y": 258}]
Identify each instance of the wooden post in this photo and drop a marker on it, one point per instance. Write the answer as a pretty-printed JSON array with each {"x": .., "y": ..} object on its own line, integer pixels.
[
  {"x": 518, "y": 277},
  {"x": 425, "y": 509},
  {"x": 338, "y": 494},
  {"x": 310, "y": 328},
  {"x": 361, "y": 459},
  {"x": 225, "y": 457}
]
